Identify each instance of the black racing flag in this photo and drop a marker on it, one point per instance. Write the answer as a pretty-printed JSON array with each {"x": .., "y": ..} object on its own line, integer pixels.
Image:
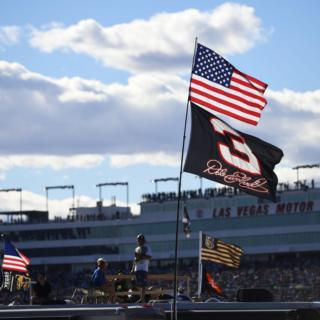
[{"x": 220, "y": 153}]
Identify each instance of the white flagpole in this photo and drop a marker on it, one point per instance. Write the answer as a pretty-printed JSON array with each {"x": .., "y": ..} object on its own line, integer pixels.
[{"x": 200, "y": 266}]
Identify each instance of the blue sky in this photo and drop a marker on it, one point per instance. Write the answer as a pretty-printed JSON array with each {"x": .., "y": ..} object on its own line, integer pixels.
[{"x": 95, "y": 91}]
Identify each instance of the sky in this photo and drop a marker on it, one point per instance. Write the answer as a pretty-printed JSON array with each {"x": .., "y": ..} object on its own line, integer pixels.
[{"x": 96, "y": 91}]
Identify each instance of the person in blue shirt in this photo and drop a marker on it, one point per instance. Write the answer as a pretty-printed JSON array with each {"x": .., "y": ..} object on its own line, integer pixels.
[{"x": 100, "y": 281}]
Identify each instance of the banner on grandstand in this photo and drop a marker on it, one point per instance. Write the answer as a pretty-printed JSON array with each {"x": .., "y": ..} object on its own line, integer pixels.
[
  {"x": 218, "y": 251},
  {"x": 220, "y": 153},
  {"x": 227, "y": 210}
]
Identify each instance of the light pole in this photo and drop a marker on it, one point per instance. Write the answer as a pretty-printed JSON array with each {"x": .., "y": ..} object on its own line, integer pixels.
[
  {"x": 306, "y": 166},
  {"x": 100, "y": 185},
  {"x": 155, "y": 181},
  {"x": 15, "y": 190},
  {"x": 59, "y": 187}
]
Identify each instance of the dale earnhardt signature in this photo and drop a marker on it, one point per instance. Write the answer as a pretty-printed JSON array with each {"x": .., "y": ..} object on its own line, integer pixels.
[{"x": 214, "y": 167}]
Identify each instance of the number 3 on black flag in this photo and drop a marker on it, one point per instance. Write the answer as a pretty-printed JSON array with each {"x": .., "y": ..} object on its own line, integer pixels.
[
  {"x": 219, "y": 152},
  {"x": 238, "y": 154}
]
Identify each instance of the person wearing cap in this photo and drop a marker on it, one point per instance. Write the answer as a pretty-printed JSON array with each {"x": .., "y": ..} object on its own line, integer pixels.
[
  {"x": 142, "y": 256},
  {"x": 100, "y": 281}
]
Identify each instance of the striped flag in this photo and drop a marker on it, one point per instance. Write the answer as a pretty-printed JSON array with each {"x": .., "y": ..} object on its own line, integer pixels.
[
  {"x": 13, "y": 259},
  {"x": 217, "y": 85},
  {"x": 220, "y": 252}
]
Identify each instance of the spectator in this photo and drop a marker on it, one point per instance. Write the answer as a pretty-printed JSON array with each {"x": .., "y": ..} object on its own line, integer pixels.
[
  {"x": 142, "y": 256},
  {"x": 100, "y": 281},
  {"x": 41, "y": 290}
]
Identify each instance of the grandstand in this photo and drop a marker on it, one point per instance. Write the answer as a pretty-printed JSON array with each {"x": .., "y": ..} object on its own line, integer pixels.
[{"x": 283, "y": 237}]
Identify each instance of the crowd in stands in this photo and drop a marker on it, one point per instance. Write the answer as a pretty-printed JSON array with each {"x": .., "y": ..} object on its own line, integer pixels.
[
  {"x": 288, "y": 278},
  {"x": 69, "y": 218},
  {"x": 90, "y": 217},
  {"x": 190, "y": 194},
  {"x": 220, "y": 192}
]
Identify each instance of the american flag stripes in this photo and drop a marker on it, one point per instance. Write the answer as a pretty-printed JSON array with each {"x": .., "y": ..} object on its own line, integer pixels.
[
  {"x": 217, "y": 85},
  {"x": 220, "y": 252},
  {"x": 13, "y": 259}
]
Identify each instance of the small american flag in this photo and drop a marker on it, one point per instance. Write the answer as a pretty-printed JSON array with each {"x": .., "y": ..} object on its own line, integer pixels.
[
  {"x": 218, "y": 85},
  {"x": 13, "y": 259},
  {"x": 186, "y": 222},
  {"x": 220, "y": 252}
]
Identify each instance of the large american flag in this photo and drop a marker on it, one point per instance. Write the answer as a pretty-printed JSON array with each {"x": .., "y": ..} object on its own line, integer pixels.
[
  {"x": 13, "y": 259},
  {"x": 218, "y": 85}
]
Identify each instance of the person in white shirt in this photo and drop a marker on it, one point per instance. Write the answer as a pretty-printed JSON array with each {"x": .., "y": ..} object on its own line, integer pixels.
[{"x": 142, "y": 257}]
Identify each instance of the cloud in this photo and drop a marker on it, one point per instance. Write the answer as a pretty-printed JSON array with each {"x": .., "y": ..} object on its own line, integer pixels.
[
  {"x": 9, "y": 35},
  {"x": 154, "y": 159},
  {"x": 164, "y": 42},
  {"x": 290, "y": 126},
  {"x": 297, "y": 101},
  {"x": 133, "y": 122},
  {"x": 54, "y": 162},
  {"x": 292, "y": 121},
  {"x": 10, "y": 201},
  {"x": 289, "y": 175},
  {"x": 67, "y": 116}
]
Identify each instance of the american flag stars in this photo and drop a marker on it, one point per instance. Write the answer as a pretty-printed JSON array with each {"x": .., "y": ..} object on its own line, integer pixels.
[{"x": 213, "y": 67}]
